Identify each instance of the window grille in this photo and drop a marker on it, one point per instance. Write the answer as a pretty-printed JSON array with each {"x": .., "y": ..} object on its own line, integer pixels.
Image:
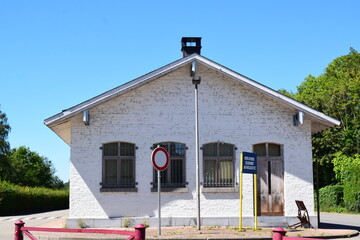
[
  {"x": 118, "y": 165},
  {"x": 218, "y": 164},
  {"x": 174, "y": 175}
]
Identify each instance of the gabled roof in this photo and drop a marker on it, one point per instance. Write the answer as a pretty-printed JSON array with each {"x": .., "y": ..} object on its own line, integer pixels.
[{"x": 322, "y": 121}]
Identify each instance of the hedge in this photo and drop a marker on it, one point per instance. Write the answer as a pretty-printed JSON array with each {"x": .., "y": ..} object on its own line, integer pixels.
[
  {"x": 331, "y": 198},
  {"x": 352, "y": 189},
  {"x": 22, "y": 200}
]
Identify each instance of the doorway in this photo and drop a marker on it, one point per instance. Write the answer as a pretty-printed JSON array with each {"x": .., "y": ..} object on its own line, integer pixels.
[{"x": 270, "y": 179}]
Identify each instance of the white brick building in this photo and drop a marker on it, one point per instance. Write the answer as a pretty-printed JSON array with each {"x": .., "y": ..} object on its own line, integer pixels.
[{"x": 111, "y": 174}]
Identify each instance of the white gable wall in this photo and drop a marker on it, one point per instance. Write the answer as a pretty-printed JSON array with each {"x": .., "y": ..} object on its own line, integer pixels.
[{"x": 163, "y": 110}]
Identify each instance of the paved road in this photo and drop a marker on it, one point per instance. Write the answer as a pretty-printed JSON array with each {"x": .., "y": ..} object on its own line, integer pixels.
[
  {"x": 340, "y": 221},
  {"x": 7, "y": 223}
]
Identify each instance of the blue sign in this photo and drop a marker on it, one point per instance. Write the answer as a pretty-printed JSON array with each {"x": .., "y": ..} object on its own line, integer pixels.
[{"x": 249, "y": 163}]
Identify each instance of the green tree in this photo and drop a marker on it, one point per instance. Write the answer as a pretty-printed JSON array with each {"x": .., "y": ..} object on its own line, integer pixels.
[
  {"x": 336, "y": 92},
  {"x": 4, "y": 145},
  {"x": 30, "y": 169}
]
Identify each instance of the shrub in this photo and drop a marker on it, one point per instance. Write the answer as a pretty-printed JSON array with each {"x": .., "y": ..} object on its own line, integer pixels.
[
  {"x": 352, "y": 189},
  {"x": 331, "y": 198},
  {"x": 20, "y": 200}
]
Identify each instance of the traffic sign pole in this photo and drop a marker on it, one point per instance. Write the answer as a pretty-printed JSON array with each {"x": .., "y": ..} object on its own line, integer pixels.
[
  {"x": 160, "y": 161},
  {"x": 241, "y": 192},
  {"x": 159, "y": 200}
]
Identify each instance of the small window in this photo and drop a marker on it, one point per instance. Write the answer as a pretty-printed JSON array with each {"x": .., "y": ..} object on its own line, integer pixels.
[
  {"x": 218, "y": 164},
  {"x": 174, "y": 175},
  {"x": 260, "y": 149},
  {"x": 274, "y": 150},
  {"x": 118, "y": 165},
  {"x": 191, "y": 44},
  {"x": 267, "y": 150}
]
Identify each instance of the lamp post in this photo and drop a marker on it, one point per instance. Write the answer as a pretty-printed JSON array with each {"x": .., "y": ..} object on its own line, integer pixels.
[{"x": 196, "y": 81}]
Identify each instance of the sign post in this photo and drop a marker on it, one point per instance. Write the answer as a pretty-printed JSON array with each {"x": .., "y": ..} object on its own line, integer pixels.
[
  {"x": 248, "y": 164},
  {"x": 160, "y": 161}
]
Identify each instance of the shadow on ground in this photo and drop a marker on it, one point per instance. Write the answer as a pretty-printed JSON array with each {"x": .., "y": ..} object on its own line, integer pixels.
[{"x": 325, "y": 225}]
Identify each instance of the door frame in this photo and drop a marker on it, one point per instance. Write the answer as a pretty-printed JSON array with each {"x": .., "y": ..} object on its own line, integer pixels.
[{"x": 269, "y": 160}]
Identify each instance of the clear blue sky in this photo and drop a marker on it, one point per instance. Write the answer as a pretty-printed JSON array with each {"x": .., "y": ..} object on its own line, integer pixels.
[{"x": 56, "y": 54}]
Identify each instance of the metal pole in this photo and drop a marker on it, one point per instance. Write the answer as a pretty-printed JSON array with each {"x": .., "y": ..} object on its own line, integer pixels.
[
  {"x": 241, "y": 193},
  {"x": 159, "y": 202},
  {"x": 197, "y": 158},
  {"x": 255, "y": 203},
  {"x": 317, "y": 193}
]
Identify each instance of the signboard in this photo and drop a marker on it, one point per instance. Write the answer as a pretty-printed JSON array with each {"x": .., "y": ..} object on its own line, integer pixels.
[
  {"x": 160, "y": 158},
  {"x": 249, "y": 163}
]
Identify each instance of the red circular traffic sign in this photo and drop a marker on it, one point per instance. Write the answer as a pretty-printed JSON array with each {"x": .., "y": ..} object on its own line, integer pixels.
[{"x": 160, "y": 158}]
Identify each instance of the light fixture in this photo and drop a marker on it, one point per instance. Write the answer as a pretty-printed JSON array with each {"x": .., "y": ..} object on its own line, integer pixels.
[
  {"x": 193, "y": 69},
  {"x": 86, "y": 117},
  {"x": 196, "y": 80},
  {"x": 298, "y": 118}
]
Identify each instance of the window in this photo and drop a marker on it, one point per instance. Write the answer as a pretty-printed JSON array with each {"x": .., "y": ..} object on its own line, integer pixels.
[
  {"x": 174, "y": 175},
  {"x": 267, "y": 150},
  {"x": 118, "y": 165},
  {"x": 218, "y": 164}
]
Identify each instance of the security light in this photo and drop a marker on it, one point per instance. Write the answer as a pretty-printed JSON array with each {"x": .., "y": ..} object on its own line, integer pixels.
[
  {"x": 196, "y": 80},
  {"x": 193, "y": 69},
  {"x": 86, "y": 117},
  {"x": 298, "y": 118}
]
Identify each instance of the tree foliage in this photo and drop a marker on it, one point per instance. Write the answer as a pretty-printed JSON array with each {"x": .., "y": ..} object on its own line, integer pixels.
[
  {"x": 28, "y": 168},
  {"x": 22, "y": 166},
  {"x": 336, "y": 93},
  {"x": 4, "y": 132},
  {"x": 344, "y": 165},
  {"x": 4, "y": 144}
]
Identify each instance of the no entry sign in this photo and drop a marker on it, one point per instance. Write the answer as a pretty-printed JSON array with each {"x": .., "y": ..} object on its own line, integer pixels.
[{"x": 160, "y": 158}]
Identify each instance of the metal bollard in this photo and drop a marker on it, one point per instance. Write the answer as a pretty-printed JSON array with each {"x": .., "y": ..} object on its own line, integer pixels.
[
  {"x": 18, "y": 233},
  {"x": 140, "y": 232},
  {"x": 278, "y": 233}
]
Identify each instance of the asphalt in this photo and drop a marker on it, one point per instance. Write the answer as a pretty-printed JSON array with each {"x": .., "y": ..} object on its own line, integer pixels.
[{"x": 206, "y": 233}]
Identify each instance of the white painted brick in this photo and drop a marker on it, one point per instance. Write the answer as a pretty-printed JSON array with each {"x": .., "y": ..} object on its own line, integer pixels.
[{"x": 163, "y": 110}]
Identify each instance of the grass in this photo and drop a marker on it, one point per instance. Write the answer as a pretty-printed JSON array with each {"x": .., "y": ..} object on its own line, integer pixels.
[
  {"x": 174, "y": 233},
  {"x": 128, "y": 222},
  {"x": 81, "y": 224}
]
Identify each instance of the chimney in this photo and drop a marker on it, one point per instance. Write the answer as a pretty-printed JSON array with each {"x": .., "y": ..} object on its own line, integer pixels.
[{"x": 190, "y": 45}]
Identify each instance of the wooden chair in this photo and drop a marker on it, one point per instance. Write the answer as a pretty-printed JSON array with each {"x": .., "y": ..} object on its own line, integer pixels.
[{"x": 303, "y": 216}]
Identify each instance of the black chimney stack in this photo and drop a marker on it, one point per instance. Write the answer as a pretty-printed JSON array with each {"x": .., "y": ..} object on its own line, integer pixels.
[{"x": 190, "y": 45}]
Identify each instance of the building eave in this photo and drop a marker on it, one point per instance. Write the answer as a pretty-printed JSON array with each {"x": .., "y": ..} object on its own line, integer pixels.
[
  {"x": 325, "y": 119},
  {"x": 60, "y": 118},
  {"x": 118, "y": 90}
]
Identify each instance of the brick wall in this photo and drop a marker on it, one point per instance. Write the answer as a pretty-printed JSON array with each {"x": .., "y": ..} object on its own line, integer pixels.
[{"x": 163, "y": 110}]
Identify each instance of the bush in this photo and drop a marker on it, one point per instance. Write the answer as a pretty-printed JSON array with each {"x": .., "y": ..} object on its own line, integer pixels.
[
  {"x": 331, "y": 198},
  {"x": 21, "y": 200},
  {"x": 352, "y": 189}
]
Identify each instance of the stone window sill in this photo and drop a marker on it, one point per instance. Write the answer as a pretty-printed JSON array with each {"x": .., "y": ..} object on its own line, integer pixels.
[
  {"x": 115, "y": 189},
  {"x": 171, "y": 190},
  {"x": 219, "y": 190}
]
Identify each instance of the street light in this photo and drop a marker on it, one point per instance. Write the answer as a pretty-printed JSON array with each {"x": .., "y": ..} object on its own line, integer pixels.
[{"x": 196, "y": 80}]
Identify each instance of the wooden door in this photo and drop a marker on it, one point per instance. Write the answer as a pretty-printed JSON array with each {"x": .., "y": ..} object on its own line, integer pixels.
[{"x": 270, "y": 181}]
